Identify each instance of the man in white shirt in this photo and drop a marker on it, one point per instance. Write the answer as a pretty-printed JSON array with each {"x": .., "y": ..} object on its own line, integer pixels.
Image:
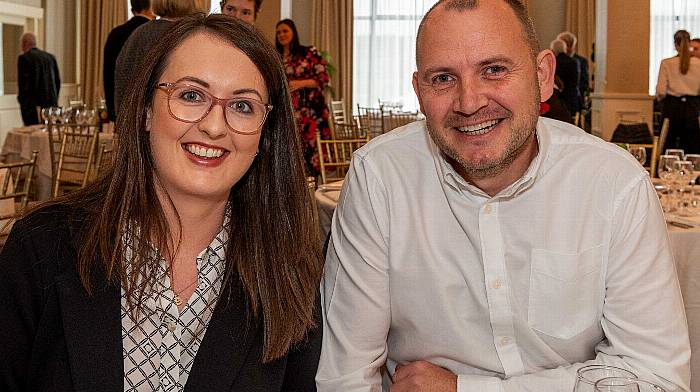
[{"x": 488, "y": 250}]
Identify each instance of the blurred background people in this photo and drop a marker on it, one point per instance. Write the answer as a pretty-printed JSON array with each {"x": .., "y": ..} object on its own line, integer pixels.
[
  {"x": 571, "y": 42},
  {"x": 115, "y": 41},
  {"x": 38, "y": 80},
  {"x": 144, "y": 37},
  {"x": 678, "y": 87},
  {"x": 307, "y": 76},
  {"x": 695, "y": 47},
  {"x": 567, "y": 71},
  {"x": 173, "y": 271},
  {"x": 245, "y": 10},
  {"x": 554, "y": 107}
]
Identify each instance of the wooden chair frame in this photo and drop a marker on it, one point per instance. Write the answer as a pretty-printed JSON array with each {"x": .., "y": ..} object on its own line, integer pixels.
[
  {"x": 76, "y": 157},
  {"x": 334, "y": 156}
]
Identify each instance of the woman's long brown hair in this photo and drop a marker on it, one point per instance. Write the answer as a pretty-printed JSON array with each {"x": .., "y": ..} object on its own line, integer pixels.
[
  {"x": 682, "y": 41},
  {"x": 273, "y": 251}
]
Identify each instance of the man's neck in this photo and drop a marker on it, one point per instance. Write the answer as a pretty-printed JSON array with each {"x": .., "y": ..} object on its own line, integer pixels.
[{"x": 146, "y": 14}]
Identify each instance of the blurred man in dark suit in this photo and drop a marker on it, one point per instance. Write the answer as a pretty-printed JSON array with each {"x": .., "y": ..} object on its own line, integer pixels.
[
  {"x": 571, "y": 41},
  {"x": 115, "y": 40},
  {"x": 568, "y": 71},
  {"x": 37, "y": 79}
]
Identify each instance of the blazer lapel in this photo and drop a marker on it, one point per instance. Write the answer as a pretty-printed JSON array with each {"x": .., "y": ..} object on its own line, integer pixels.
[
  {"x": 92, "y": 328},
  {"x": 227, "y": 341}
]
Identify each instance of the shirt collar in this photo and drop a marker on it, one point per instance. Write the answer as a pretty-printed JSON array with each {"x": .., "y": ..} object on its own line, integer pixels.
[{"x": 454, "y": 180}]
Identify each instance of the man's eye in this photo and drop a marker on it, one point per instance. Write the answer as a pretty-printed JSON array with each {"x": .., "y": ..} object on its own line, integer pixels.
[
  {"x": 441, "y": 79},
  {"x": 494, "y": 71}
]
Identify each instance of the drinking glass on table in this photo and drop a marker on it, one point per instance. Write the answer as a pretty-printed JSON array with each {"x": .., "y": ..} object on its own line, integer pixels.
[
  {"x": 695, "y": 160},
  {"x": 55, "y": 114},
  {"x": 46, "y": 116},
  {"x": 676, "y": 151},
  {"x": 639, "y": 153},
  {"x": 587, "y": 376},
  {"x": 626, "y": 384},
  {"x": 684, "y": 172}
]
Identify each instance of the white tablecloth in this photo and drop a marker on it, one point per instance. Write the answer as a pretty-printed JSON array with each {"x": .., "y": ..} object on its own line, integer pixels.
[
  {"x": 685, "y": 244},
  {"x": 20, "y": 142}
]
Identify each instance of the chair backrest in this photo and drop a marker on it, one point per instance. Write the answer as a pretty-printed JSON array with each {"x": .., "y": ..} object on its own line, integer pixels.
[
  {"x": 76, "y": 158},
  {"x": 371, "y": 120},
  {"x": 399, "y": 119},
  {"x": 663, "y": 134},
  {"x": 103, "y": 160},
  {"x": 334, "y": 156},
  {"x": 15, "y": 184},
  {"x": 338, "y": 113},
  {"x": 348, "y": 131},
  {"x": 652, "y": 151}
]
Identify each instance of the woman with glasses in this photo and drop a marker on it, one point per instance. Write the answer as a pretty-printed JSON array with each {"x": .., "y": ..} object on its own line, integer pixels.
[
  {"x": 194, "y": 263},
  {"x": 678, "y": 88}
]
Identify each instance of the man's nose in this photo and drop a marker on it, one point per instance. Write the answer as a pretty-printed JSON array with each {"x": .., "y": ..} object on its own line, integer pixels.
[{"x": 470, "y": 97}]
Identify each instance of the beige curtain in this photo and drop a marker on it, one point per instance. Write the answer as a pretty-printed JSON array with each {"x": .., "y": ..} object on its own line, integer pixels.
[
  {"x": 331, "y": 31},
  {"x": 97, "y": 19},
  {"x": 580, "y": 20}
]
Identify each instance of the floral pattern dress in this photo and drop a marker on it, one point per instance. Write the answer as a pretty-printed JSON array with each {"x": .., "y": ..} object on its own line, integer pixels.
[{"x": 310, "y": 108}]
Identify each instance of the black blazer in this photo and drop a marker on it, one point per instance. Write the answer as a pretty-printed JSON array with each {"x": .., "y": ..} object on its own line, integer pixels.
[
  {"x": 115, "y": 41},
  {"x": 568, "y": 71},
  {"x": 38, "y": 83},
  {"x": 54, "y": 337}
]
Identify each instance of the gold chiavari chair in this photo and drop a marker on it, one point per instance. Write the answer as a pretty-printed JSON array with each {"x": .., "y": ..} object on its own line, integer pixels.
[
  {"x": 15, "y": 183},
  {"x": 371, "y": 120},
  {"x": 399, "y": 119},
  {"x": 334, "y": 156},
  {"x": 103, "y": 160},
  {"x": 76, "y": 157},
  {"x": 338, "y": 113}
]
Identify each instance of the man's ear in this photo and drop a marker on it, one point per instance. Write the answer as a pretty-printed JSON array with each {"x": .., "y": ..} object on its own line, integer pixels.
[
  {"x": 546, "y": 64},
  {"x": 416, "y": 89}
]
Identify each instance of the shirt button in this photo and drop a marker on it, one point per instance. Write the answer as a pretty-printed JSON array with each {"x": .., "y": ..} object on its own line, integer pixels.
[
  {"x": 487, "y": 209},
  {"x": 505, "y": 341},
  {"x": 171, "y": 326},
  {"x": 496, "y": 284}
]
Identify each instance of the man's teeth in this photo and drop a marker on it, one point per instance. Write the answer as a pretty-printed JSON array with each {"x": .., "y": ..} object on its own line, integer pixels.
[
  {"x": 479, "y": 129},
  {"x": 204, "y": 152}
]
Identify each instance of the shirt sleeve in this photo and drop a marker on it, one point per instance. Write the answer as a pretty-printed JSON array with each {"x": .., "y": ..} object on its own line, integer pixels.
[
  {"x": 662, "y": 82},
  {"x": 643, "y": 315},
  {"x": 356, "y": 302}
]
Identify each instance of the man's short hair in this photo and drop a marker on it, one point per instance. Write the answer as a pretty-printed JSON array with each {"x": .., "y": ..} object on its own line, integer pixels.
[
  {"x": 465, "y": 5},
  {"x": 558, "y": 46},
  {"x": 138, "y": 6},
  {"x": 695, "y": 40},
  {"x": 28, "y": 40},
  {"x": 179, "y": 8},
  {"x": 258, "y": 4},
  {"x": 569, "y": 38}
]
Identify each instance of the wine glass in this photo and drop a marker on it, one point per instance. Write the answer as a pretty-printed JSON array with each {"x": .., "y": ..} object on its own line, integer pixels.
[
  {"x": 695, "y": 160},
  {"x": 55, "y": 114},
  {"x": 626, "y": 384},
  {"x": 46, "y": 116},
  {"x": 683, "y": 173},
  {"x": 587, "y": 376},
  {"x": 665, "y": 169},
  {"x": 639, "y": 153},
  {"x": 676, "y": 151},
  {"x": 90, "y": 116}
]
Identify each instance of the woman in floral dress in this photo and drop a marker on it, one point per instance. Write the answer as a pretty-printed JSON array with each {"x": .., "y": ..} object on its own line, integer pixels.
[{"x": 307, "y": 76}]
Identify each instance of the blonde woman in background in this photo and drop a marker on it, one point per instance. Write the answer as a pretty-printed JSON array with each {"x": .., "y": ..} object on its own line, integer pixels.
[
  {"x": 678, "y": 88},
  {"x": 142, "y": 39}
]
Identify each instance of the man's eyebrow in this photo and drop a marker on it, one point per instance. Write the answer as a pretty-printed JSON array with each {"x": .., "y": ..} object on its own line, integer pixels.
[{"x": 495, "y": 60}]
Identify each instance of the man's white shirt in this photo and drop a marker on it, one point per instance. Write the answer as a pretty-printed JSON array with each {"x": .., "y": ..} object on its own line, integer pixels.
[{"x": 568, "y": 266}]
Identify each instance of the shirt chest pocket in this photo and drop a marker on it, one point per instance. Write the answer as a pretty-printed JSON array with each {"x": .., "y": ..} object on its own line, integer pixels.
[{"x": 565, "y": 295}]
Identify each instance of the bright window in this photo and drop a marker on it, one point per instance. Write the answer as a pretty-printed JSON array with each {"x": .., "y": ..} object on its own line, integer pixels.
[
  {"x": 667, "y": 17},
  {"x": 384, "y": 47}
]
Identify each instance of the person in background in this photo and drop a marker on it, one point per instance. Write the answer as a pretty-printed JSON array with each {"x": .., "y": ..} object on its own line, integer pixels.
[
  {"x": 583, "y": 82},
  {"x": 568, "y": 72},
  {"x": 307, "y": 76},
  {"x": 179, "y": 269},
  {"x": 143, "y": 38},
  {"x": 38, "y": 79},
  {"x": 488, "y": 249},
  {"x": 245, "y": 10},
  {"x": 695, "y": 47},
  {"x": 554, "y": 107},
  {"x": 678, "y": 87},
  {"x": 115, "y": 41}
]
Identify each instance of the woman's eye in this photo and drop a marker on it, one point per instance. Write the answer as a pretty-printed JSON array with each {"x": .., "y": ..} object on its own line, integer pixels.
[
  {"x": 191, "y": 96},
  {"x": 241, "y": 106}
]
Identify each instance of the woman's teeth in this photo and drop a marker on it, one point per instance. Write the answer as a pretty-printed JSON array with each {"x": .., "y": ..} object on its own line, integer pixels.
[
  {"x": 479, "y": 129},
  {"x": 203, "y": 151}
]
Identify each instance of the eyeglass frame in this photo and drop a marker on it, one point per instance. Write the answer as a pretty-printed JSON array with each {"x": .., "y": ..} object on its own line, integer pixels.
[{"x": 170, "y": 87}]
